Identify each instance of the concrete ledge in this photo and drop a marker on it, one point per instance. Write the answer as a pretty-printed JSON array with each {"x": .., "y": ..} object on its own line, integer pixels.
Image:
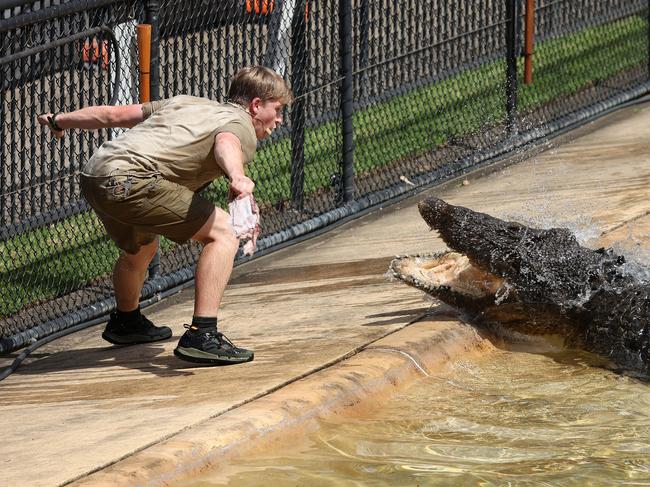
[{"x": 347, "y": 387}]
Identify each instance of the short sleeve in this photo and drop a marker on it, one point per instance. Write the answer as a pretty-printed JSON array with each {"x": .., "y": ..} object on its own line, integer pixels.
[
  {"x": 151, "y": 106},
  {"x": 246, "y": 137}
]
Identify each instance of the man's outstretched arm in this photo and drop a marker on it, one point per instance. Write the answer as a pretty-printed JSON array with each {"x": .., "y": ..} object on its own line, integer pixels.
[{"x": 92, "y": 118}]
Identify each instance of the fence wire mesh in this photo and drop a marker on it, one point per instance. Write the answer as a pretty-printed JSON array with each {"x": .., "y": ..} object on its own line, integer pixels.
[
  {"x": 389, "y": 95},
  {"x": 55, "y": 256}
]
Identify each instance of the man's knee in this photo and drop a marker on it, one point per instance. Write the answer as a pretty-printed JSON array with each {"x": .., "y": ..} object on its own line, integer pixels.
[
  {"x": 142, "y": 257},
  {"x": 223, "y": 236},
  {"x": 218, "y": 229}
]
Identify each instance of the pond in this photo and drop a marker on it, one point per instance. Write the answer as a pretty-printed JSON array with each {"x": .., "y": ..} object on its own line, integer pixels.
[{"x": 510, "y": 417}]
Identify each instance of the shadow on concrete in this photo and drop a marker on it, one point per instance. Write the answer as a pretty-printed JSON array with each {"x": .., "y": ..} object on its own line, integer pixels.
[
  {"x": 397, "y": 317},
  {"x": 441, "y": 311},
  {"x": 152, "y": 359}
]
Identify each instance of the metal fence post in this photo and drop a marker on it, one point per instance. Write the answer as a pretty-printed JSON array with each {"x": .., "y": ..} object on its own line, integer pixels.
[
  {"x": 364, "y": 33},
  {"x": 512, "y": 21},
  {"x": 152, "y": 9},
  {"x": 298, "y": 63},
  {"x": 346, "y": 94},
  {"x": 529, "y": 41}
]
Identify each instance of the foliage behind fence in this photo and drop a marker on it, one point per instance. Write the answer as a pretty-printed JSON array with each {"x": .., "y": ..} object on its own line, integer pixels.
[{"x": 389, "y": 95}]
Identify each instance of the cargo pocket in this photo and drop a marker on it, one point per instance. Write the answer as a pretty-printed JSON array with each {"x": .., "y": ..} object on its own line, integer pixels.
[
  {"x": 118, "y": 188},
  {"x": 170, "y": 197}
]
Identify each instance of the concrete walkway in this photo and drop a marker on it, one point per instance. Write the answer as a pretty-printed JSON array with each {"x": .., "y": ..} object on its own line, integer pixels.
[{"x": 139, "y": 416}]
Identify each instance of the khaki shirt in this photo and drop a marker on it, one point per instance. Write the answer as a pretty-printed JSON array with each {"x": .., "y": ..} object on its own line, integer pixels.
[{"x": 175, "y": 141}]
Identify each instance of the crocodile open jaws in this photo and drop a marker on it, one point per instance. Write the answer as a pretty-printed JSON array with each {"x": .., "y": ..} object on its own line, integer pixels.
[{"x": 534, "y": 281}]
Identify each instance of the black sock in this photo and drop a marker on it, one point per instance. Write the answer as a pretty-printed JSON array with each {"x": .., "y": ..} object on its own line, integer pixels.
[
  {"x": 203, "y": 323},
  {"x": 128, "y": 316}
]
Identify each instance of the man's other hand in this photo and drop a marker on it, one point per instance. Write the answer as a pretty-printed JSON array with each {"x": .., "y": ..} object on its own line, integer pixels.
[
  {"x": 44, "y": 120},
  {"x": 240, "y": 186}
]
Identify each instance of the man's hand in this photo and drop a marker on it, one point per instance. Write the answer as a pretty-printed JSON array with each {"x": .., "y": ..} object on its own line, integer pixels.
[
  {"x": 240, "y": 187},
  {"x": 46, "y": 120}
]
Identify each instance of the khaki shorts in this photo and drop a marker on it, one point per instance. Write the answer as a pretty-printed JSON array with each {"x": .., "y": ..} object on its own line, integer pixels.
[{"x": 135, "y": 209}]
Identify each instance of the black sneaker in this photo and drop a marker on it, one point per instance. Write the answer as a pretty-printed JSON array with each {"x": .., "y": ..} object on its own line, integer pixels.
[
  {"x": 139, "y": 331},
  {"x": 211, "y": 347}
]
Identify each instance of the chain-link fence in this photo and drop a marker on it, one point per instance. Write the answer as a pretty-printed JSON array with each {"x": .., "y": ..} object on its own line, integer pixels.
[{"x": 390, "y": 96}]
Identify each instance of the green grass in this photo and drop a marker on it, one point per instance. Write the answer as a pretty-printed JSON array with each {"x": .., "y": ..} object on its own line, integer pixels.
[
  {"x": 428, "y": 117},
  {"x": 56, "y": 259}
]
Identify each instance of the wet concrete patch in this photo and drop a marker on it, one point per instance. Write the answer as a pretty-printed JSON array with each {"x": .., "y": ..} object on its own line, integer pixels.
[{"x": 337, "y": 270}]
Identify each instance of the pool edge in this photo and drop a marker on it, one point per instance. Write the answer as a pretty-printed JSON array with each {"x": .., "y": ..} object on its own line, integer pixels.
[{"x": 376, "y": 372}]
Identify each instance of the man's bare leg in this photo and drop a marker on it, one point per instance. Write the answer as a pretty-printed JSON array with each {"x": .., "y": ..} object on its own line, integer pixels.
[
  {"x": 129, "y": 274},
  {"x": 201, "y": 342},
  {"x": 215, "y": 262},
  {"x": 127, "y": 325}
]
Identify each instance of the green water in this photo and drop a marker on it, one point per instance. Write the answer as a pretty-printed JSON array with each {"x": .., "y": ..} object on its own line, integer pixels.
[{"x": 506, "y": 419}]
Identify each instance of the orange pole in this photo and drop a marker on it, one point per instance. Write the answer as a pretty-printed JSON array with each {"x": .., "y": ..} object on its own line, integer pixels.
[
  {"x": 529, "y": 41},
  {"x": 144, "y": 61}
]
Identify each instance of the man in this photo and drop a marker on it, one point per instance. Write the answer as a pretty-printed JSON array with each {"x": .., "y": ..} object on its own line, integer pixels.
[{"x": 145, "y": 183}]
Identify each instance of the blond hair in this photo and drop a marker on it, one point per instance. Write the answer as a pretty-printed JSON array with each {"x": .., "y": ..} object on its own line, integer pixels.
[{"x": 258, "y": 81}]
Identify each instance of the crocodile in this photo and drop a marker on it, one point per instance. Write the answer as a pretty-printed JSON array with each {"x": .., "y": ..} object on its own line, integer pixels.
[{"x": 534, "y": 281}]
